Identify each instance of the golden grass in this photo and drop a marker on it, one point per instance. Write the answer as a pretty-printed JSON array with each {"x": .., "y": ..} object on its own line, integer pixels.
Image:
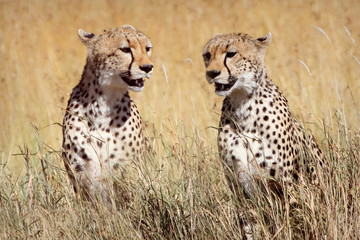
[{"x": 314, "y": 58}]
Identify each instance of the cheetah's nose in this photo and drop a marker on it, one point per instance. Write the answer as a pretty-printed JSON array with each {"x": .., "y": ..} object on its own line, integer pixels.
[
  {"x": 146, "y": 68},
  {"x": 212, "y": 74}
]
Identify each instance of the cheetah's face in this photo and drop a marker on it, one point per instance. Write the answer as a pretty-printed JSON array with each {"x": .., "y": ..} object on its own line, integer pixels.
[
  {"x": 233, "y": 62},
  {"x": 121, "y": 56}
]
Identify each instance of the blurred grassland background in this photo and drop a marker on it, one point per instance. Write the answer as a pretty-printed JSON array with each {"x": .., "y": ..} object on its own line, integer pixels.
[{"x": 314, "y": 58}]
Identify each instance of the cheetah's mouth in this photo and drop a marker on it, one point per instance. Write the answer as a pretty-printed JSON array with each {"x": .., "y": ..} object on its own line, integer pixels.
[
  {"x": 219, "y": 87},
  {"x": 133, "y": 82}
]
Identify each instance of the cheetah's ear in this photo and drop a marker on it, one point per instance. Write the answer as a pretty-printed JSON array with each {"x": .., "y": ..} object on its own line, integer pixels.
[
  {"x": 85, "y": 37},
  {"x": 265, "y": 40},
  {"x": 218, "y": 35}
]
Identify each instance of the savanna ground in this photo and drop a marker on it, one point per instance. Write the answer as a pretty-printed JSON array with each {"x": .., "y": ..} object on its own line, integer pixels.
[{"x": 179, "y": 190}]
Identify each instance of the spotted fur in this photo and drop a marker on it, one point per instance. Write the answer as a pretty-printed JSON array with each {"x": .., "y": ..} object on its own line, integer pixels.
[
  {"x": 258, "y": 137},
  {"x": 102, "y": 128}
]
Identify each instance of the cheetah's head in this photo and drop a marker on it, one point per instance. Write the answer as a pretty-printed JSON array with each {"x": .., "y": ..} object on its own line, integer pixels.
[
  {"x": 235, "y": 62},
  {"x": 120, "y": 56}
]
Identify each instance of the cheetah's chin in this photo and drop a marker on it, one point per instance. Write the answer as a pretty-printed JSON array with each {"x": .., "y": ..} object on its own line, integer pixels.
[{"x": 134, "y": 82}]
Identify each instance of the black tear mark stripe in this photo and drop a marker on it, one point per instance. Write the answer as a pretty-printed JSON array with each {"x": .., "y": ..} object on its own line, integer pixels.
[
  {"x": 227, "y": 66},
  {"x": 132, "y": 56}
]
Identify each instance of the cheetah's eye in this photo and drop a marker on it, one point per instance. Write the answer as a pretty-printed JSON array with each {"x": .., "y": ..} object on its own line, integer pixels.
[
  {"x": 230, "y": 54},
  {"x": 207, "y": 56},
  {"x": 148, "y": 49},
  {"x": 125, "y": 49}
]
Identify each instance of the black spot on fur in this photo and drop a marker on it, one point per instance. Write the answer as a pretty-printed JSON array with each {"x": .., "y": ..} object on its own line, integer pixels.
[
  {"x": 272, "y": 172},
  {"x": 78, "y": 168}
]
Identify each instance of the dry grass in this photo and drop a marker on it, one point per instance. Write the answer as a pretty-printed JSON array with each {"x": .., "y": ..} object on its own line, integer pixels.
[{"x": 180, "y": 191}]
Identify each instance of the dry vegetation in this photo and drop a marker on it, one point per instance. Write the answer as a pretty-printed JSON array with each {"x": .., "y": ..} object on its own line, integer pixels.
[{"x": 179, "y": 191}]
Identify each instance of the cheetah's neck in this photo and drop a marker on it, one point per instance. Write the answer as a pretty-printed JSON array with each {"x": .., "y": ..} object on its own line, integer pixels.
[
  {"x": 103, "y": 81},
  {"x": 99, "y": 100},
  {"x": 239, "y": 100}
]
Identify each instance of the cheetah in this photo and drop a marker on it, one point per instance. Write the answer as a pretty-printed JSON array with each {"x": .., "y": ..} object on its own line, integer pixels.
[
  {"x": 258, "y": 138},
  {"x": 102, "y": 128}
]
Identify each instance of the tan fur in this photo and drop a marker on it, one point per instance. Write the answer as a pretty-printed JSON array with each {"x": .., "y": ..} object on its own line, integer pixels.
[
  {"x": 258, "y": 139},
  {"x": 102, "y": 129}
]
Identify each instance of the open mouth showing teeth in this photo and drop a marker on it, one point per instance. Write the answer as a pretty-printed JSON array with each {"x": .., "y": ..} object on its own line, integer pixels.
[
  {"x": 134, "y": 82},
  {"x": 224, "y": 87}
]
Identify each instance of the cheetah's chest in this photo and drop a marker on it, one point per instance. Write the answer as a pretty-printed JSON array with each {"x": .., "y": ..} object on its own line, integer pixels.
[
  {"x": 105, "y": 137},
  {"x": 246, "y": 154},
  {"x": 118, "y": 138},
  {"x": 254, "y": 139}
]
